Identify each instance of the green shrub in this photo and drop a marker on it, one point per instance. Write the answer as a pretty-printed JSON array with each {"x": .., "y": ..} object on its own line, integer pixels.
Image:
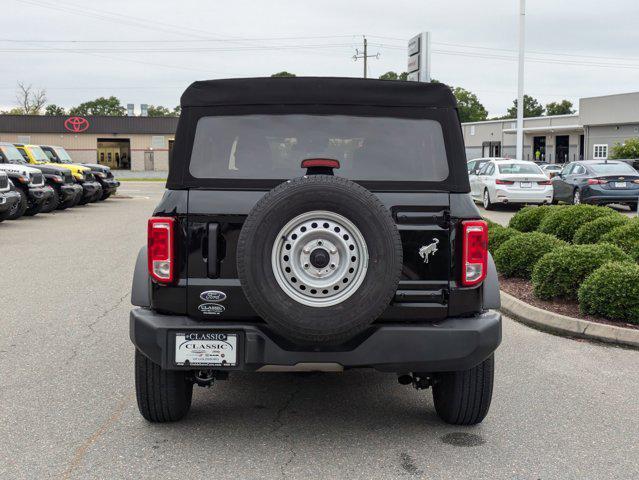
[
  {"x": 528, "y": 218},
  {"x": 560, "y": 272},
  {"x": 517, "y": 256},
  {"x": 592, "y": 232},
  {"x": 625, "y": 237},
  {"x": 497, "y": 235},
  {"x": 612, "y": 291},
  {"x": 563, "y": 222},
  {"x": 490, "y": 222}
]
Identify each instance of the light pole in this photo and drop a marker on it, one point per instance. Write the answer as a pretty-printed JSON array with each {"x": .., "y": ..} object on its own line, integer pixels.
[{"x": 520, "y": 81}]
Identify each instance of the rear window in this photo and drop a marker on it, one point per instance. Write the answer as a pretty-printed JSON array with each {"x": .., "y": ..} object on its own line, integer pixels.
[
  {"x": 514, "y": 168},
  {"x": 273, "y": 146},
  {"x": 612, "y": 169}
]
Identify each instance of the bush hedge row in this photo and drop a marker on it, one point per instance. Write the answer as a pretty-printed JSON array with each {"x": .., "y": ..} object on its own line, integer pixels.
[
  {"x": 576, "y": 251},
  {"x": 517, "y": 256},
  {"x": 559, "y": 273},
  {"x": 626, "y": 237},
  {"x": 592, "y": 232},
  {"x": 528, "y": 218},
  {"x": 612, "y": 291},
  {"x": 563, "y": 222},
  {"x": 497, "y": 235}
]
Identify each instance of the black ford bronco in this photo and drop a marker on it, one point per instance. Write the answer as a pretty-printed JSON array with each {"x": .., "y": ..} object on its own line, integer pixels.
[{"x": 316, "y": 224}]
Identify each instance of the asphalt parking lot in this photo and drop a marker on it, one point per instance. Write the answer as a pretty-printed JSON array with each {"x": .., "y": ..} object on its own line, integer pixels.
[{"x": 562, "y": 409}]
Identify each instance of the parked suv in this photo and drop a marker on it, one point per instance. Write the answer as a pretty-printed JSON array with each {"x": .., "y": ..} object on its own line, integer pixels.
[
  {"x": 91, "y": 189},
  {"x": 63, "y": 191},
  {"x": 316, "y": 224},
  {"x": 28, "y": 181},
  {"x": 102, "y": 174},
  {"x": 8, "y": 196}
]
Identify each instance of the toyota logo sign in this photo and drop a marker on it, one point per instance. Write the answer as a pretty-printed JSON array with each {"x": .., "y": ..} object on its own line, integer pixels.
[{"x": 76, "y": 124}]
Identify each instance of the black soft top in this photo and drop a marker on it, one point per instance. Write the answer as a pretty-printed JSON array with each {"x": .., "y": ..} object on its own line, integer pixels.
[
  {"x": 317, "y": 96},
  {"x": 316, "y": 90}
]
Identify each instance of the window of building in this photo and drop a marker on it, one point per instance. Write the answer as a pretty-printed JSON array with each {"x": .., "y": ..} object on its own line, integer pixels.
[{"x": 600, "y": 151}]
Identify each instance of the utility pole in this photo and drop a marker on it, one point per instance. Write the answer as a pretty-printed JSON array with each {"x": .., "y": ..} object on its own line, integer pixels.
[
  {"x": 520, "y": 81},
  {"x": 365, "y": 56}
]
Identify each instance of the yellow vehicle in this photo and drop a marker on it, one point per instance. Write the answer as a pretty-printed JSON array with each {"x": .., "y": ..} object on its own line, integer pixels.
[{"x": 92, "y": 190}]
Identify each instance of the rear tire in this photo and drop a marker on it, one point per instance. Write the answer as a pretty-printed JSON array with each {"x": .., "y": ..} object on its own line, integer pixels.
[
  {"x": 488, "y": 205},
  {"x": 463, "y": 398},
  {"x": 19, "y": 208},
  {"x": 576, "y": 197},
  {"x": 163, "y": 395}
]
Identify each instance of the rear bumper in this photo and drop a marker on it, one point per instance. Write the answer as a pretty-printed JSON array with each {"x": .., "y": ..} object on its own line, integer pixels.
[
  {"x": 449, "y": 345},
  {"x": 600, "y": 195},
  {"x": 523, "y": 196}
]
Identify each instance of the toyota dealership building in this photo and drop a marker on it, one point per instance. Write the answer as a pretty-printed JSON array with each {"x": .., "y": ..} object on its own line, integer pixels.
[{"x": 126, "y": 143}]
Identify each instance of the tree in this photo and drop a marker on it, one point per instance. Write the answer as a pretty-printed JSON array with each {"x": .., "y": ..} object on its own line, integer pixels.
[
  {"x": 53, "y": 109},
  {"x": 532, "y": 108},
  {"x": 390, "y": 75},
  {"x": 100, "y": 106},
  {"x": 468, "y": 106},
  {"x": 159, "y": 111},
  {"x": 560, "y": 108},
  {"x": 30, "y": 100},
  {"x": 13, "y": 111},
  {"x": 283, "y": 73},
  {"x": 628, "y": 149}
]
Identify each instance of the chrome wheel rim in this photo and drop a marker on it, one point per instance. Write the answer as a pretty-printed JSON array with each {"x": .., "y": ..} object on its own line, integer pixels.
[
  {"x": 319, "y": 258},
  {"x": 576, "y": 198},
  {"x": 486, "y": 199}
]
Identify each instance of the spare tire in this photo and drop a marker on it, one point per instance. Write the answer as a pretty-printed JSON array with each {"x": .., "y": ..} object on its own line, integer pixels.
[{"x": 319, "y": 259}]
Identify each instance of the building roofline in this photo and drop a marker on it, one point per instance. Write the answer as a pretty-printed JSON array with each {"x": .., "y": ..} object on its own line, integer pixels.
[
  {"x": 546, "y": 128},
  {"x": 610, "y": 95},
  {"x": 527, "y": 118}
]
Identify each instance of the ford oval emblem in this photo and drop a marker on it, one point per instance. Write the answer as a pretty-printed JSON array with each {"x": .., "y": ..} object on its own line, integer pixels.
[
  {"x": 211, "y": 308},
  {"x": 213, "y": 296}
]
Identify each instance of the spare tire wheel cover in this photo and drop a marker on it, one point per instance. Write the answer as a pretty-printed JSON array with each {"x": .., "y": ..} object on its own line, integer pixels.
[{"x": 319, "y": 259}]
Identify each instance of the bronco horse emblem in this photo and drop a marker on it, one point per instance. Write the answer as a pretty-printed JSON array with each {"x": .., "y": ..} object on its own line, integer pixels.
[{"x": 427, "y": 250}]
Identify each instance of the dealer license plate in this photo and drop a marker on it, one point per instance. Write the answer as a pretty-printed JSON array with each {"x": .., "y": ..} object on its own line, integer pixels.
[
  {"x": 206, "y": 349},
  {"x": 525, "y": 184},
  {"x": 620, "y": 185}
]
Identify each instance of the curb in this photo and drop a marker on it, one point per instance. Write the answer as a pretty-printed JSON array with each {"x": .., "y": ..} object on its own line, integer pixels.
[{"x": 567, "y": 326}]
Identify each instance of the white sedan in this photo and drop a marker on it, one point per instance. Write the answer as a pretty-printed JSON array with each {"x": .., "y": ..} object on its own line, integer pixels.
[{"x": 503, "y": 181}]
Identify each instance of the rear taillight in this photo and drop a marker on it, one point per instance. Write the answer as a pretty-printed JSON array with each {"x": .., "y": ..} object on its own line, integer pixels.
[
  {"x": 161, "y": 251},
  {"x": 544, "y": 182},
  {"x": 596, "y": 181},
  {"x": 474, "y": 252},
  {"x": 504, "y": 182}
]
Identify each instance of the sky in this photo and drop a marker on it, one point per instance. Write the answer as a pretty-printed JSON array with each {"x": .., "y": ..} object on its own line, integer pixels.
[{"x": 149, "y": 51}]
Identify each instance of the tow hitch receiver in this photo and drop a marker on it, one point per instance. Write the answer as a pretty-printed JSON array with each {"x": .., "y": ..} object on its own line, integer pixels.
[{"x": 419, "y": 382}]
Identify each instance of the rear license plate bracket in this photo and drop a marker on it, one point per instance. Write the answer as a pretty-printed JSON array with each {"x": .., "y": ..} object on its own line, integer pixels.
[{"x": 206, "y": 348}]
